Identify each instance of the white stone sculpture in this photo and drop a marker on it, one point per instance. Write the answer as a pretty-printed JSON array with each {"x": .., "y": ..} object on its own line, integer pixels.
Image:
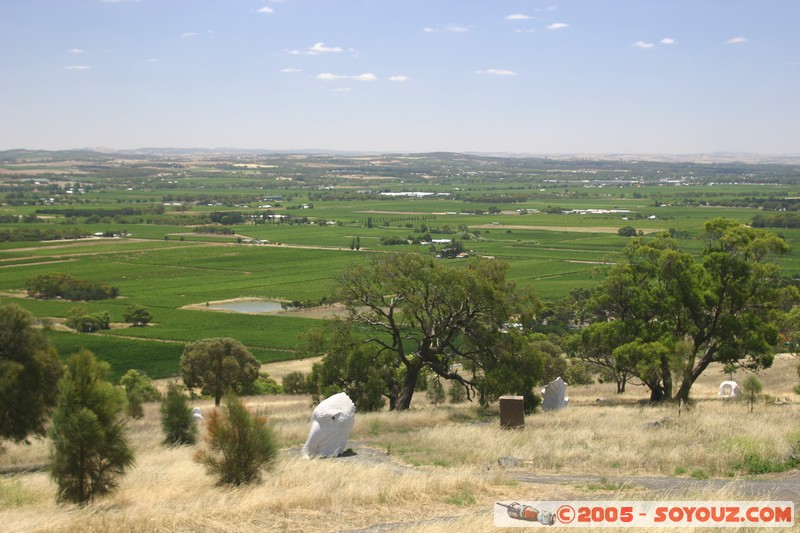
[
  {"x": 728, "y": 389},
  {"x": 554, "y": 395},
  {"x": 331, "y": 423},
  {"x": 196, "y": 414}
]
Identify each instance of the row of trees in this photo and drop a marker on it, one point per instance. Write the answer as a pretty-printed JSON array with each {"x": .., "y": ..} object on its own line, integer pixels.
[{"x": 60, "y": 285}]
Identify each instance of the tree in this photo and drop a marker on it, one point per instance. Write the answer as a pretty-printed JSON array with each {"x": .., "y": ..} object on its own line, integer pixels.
[
  {"x": 723, "y": 307},
  {"x": 216, "y": 365},
  {"x": 177, "y": 421},
  {"x": 89, "y": 450},
  {"x": 137, "y": 315},
  {"x": 29, "y": 372},
  {"x": 78, "y": 318},
  {"x": 595, "y": 344},
  {"x": 407, "y": 313},
  {"x": 240, "y": 444}
]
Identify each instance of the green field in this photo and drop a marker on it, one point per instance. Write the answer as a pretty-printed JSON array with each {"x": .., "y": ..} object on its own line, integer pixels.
[{"x": 518, "y": 210}]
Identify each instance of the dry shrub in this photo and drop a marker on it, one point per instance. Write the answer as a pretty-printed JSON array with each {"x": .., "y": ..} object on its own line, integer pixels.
[{"x": 240, "y": 444}]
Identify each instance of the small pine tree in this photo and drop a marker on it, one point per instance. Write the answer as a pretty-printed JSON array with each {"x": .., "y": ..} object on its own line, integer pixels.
[
  {"x": 177, "y": 421},
  {"x": 89, "y": 450},
  {"x": 752, "y": 387},
  {"x": 240, "y": 444}
]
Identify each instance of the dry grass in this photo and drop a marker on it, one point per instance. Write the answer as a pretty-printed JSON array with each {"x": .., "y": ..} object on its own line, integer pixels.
[{"x": 413, "y": 467}]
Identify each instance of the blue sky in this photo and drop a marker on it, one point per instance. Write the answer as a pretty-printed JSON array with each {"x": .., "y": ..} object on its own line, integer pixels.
[{"x": 517, "y": 76}]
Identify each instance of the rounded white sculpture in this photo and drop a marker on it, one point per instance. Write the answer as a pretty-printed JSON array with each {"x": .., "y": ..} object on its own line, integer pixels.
[
  {"x": 728, "y": 389},
  {"x": 331, "y": 424}
]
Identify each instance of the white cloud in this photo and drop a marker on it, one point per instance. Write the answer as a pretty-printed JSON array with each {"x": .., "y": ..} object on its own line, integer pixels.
[
  {"x": 643, "y": 45},
  {"x": 497, "y": 72},
  {"x": 78, "y": 67},
  {"x": 449, "y": 28},
  {"x": 529, "y": 30},
  {"x": 320, "y": 48},
  {"x": 153, "y": 60},
  {"x": 327, "y": 76},
  {"x": 398, "y": 78},
  {"x": 557, "y": 26},
  {"x": 189, "y": 34},
  {"x": 736, "y": 40},
  {"x": 266, "y": 9},
  {"x": 668, "y": 41},
  {"x": 291, "y": 70},
  {"x": 518, "y": 16},
  {"x": 77, "y": 51}
]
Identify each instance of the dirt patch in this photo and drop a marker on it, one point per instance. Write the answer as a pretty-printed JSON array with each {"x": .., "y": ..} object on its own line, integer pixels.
[
  {"x": 279, "y": 369},
  {"x": 321, "y": 312}
]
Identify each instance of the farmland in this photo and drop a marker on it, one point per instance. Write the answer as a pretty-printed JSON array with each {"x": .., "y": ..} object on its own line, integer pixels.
[{"x": 172, "y": 230}]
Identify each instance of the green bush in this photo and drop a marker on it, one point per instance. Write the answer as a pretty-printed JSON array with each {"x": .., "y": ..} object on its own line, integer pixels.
[
  {"x": 294, "y": 383},
  {"x": 261, "y": 386},
  {"x": 240, "y": 444},
  {"x": 177, "y": 421}
]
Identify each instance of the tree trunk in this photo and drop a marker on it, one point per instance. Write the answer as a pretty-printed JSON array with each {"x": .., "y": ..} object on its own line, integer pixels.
[
  {"x": 691, "y": 375},
  {"x": 656, "y": 392},
  {"x": 408, "y": 386},
  {"x": 666, "y": 379}
]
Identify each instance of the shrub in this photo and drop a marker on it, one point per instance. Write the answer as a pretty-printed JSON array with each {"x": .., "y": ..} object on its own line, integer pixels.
[
  {"x": 177, "y": 421},
  {"x": 89, "y": 449},
  {"x": 240, "y": 444},
  {"x": 294, "y": 383}
]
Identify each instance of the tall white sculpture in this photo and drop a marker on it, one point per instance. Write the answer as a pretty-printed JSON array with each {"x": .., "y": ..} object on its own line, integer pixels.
[
  {"x": 554, "y": 395},
  {"x": 331, "y": 424}
]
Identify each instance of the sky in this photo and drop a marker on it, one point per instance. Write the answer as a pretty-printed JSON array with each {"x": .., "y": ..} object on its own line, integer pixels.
[{"x": 491, "y": 76}]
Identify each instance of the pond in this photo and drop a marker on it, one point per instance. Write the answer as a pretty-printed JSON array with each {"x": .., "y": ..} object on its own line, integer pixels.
[{"x": 249, "y": 306}]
